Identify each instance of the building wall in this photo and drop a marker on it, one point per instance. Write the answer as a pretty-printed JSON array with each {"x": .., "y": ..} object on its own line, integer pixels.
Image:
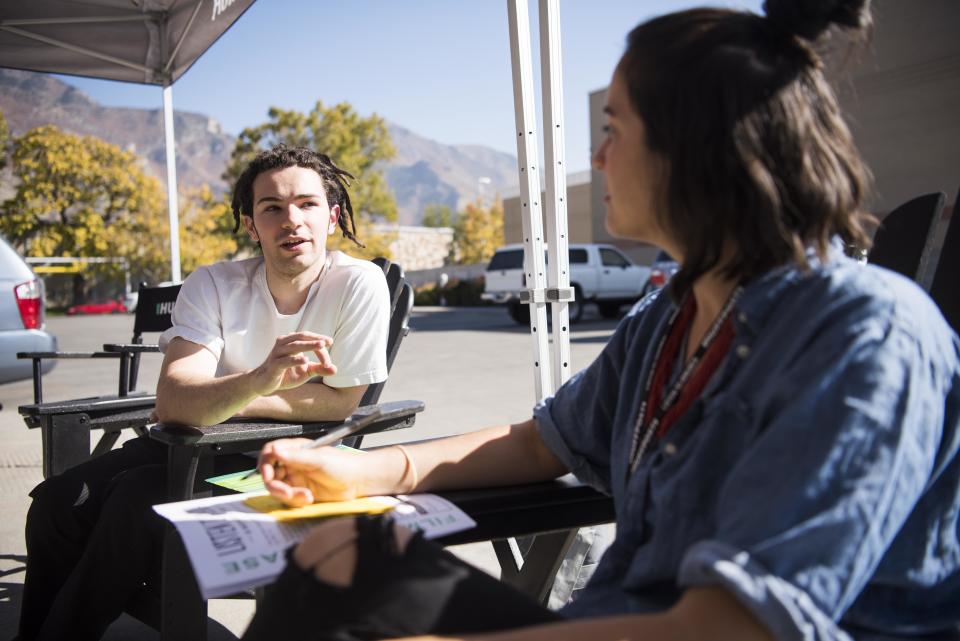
[
  {"x": 903, "y": 101},
  {"x": 419, "y": 247},
  {"x": 579, "y": 220},
  {"x": 584, "y": 225}
]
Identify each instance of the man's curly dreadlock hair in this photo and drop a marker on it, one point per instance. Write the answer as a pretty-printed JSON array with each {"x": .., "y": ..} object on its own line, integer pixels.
[{"x": 280, "y": 157}]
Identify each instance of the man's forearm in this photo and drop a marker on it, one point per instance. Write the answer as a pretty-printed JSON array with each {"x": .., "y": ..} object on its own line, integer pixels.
[
  {"x": 310, "y": 402},
  {"x": 203, "y": 401}
]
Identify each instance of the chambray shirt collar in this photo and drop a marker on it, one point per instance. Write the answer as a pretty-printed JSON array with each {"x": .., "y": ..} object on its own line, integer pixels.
[{"x": 761, "y": 295}]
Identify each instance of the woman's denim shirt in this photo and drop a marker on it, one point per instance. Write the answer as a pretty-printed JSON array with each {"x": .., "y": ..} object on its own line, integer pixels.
[{"x": 817, "y": 478}]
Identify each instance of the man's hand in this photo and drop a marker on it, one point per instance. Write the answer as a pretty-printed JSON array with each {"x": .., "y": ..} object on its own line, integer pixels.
[
  {"x": 298, "y": 475},
  {"x": 288, "y": 366}
]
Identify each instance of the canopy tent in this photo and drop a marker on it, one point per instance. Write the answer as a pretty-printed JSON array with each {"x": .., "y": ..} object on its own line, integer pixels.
[
  {"x": 143, "y": 41},
  {"x": 157, "y": 41}
]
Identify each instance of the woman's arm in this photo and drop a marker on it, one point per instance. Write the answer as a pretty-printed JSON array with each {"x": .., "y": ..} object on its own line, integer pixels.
[
  {"x": 504, "y": 455},
  {"x": 702, "y": 614}
]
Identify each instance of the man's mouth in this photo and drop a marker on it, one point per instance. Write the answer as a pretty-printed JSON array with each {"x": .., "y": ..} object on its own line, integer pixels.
[{"x": 292, "y": 243}]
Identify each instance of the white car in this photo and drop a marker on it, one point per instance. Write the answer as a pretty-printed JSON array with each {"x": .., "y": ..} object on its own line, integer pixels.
[
  {"x": 599, "y": 274},
  {"x": 22, "y": 316}
]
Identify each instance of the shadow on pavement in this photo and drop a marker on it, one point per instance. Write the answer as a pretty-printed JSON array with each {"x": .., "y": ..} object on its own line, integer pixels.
[
  {"x": 11, "y": 592},
  {"x": 490, "y": 319},
  {"x": 125, "y": 628}
]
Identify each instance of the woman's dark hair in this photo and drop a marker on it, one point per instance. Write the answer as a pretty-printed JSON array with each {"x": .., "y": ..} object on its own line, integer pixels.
[
  {"x": 280, "y": 157},
  {"x": 756, "y": 150}
]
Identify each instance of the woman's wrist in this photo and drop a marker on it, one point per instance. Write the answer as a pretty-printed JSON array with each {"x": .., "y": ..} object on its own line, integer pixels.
[{"x": 409, "y": 478}]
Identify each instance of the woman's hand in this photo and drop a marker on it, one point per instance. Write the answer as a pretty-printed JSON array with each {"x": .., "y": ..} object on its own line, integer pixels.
[{"x": 298, "y": 475}]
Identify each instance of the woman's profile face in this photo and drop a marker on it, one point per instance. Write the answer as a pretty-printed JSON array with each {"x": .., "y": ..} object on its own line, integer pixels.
[{"x": 633, "y": 175}]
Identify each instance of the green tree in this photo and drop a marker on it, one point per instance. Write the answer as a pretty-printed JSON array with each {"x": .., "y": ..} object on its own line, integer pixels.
[
  {"x": 438, "y": 216},
  {"x": 353, "y": 142},
  {"x": 477, "y": 233}
]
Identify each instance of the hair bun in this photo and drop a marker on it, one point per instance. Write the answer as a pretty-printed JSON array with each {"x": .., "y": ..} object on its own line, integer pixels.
[{"x": 810, "y": 18}]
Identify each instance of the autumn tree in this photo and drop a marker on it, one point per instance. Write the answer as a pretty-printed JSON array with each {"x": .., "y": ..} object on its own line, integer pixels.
[
  {"x": 477, "y": 233},
  {"x": 354, "y": 143},
  {"x": 206, "y": 229},
  {"x": 4, "y": 141},
  {"x": 80, "y": 196},
  {"x": 438, "y": 216}
]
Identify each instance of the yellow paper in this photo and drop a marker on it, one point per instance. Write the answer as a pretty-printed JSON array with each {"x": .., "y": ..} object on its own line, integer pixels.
[{"x": 279, "y": 511}]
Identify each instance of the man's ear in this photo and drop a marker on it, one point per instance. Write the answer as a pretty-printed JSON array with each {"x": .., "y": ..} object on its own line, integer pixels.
[
  {"x": 334, "y": 217},
  {"x": 250, "y": 227}
]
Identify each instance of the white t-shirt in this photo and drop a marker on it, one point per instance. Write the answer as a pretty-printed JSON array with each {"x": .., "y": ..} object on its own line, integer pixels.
[{"x": 228, "y": 309}]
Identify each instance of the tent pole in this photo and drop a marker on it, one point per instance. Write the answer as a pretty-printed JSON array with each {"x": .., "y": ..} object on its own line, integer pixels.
[
  {"x": 528, "y": 157},
  {"x": 559, "y": 291},
  {"x": 172, "y": 205}
]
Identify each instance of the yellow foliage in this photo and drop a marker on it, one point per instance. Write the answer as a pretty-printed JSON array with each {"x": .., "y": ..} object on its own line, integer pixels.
[
  {"x": 376, "y": 243},
  {"x": 477, "y": 233}
]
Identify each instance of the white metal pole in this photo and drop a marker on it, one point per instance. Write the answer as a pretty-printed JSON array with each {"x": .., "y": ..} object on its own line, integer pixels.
[
  {"x": 555, "y": 201},
  {"x": 528, "y": 158},
  {"x": 172, "y": 204}
]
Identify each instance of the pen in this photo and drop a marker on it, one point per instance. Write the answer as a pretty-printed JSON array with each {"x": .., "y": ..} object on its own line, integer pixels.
[{"x": 350, "y": 426}]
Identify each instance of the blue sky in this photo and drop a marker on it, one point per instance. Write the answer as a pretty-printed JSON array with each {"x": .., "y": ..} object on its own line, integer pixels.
[{"x": 440, "y": 68}]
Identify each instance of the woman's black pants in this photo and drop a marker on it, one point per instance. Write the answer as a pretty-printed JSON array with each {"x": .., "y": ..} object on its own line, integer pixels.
[{"x": 424, "y": 590}]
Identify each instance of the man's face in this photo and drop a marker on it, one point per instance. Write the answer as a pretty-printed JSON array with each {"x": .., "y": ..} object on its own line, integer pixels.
[{"x": 291, "y": 220}]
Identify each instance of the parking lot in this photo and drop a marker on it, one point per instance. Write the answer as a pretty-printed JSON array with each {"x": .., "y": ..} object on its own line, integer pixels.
[{"x": 473, "y": 367}]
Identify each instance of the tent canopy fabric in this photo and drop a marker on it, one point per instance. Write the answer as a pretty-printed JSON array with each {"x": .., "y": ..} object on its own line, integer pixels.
[{"x": 142, "y": 41}]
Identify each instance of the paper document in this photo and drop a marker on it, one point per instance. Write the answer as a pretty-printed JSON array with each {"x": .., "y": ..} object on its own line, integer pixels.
[{"x": 234, "y": 546}]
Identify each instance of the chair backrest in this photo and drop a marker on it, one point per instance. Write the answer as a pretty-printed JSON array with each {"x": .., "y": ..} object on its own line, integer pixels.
[
  {"x": 906, "y": 234},
  {"x": 945, "y": 289},
  {"x": 401, "y": 304},
  {"x": 154, "y": 306}
]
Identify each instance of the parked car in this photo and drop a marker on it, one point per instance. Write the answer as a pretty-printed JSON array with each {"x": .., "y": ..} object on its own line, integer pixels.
[
  {"x": 599, "y": 274},
  {"x": 102, "y": 307},
  {"x": 130, "y": 301},
  {"x": 22, "y": 326},
  {"x": 662, "y": 270}
]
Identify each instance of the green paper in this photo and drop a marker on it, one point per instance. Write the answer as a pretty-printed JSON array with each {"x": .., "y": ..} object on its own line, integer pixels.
[{"x": 236, "y": 481}]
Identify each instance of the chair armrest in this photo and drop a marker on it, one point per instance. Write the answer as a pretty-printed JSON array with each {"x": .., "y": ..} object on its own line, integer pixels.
[
  {"x": 239, "y": 435},
  {"x": 43, "y": 355},
  {"x": 535, "y": 508},
  {"x": 130, "y": 348},
  {"x": 93, "y": 405}
]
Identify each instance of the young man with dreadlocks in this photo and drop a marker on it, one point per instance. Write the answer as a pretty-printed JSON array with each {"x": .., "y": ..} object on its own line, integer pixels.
[{"x": 296, "y": 333}]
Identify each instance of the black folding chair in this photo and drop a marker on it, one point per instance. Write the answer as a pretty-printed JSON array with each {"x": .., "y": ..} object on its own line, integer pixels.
[
  {"x": 905, "y": 236},
  {"x": 66, "y": 425},
  {"x": 945, "y": 289},
  {"x": 176, "y": 607}
]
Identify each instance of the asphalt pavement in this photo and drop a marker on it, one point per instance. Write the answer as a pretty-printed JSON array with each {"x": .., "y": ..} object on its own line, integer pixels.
[{"x": 473, "y": 367}]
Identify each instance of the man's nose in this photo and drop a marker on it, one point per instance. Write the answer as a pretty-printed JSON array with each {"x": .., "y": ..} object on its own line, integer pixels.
[{"x": 294, "y": 217}]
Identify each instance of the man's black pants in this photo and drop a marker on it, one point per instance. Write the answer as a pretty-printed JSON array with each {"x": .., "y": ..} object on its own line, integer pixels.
[{"x": 93, "y": 540}]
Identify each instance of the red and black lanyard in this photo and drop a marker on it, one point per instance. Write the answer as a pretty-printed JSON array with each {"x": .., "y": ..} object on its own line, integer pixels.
[{"x": 692, "y": 380}]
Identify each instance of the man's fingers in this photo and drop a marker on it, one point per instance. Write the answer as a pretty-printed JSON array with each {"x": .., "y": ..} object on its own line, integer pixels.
[
  {"x": 324, "y": 358},
  {"x": 326, "y": 341},
  {"x": 296, "y": 347}
]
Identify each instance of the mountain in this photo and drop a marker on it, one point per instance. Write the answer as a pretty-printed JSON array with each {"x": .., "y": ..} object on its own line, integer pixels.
[{"x": 423, "y": 172}]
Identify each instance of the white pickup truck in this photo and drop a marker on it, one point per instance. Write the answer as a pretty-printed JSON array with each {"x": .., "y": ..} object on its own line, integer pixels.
[{"x": 599, "y": 274}]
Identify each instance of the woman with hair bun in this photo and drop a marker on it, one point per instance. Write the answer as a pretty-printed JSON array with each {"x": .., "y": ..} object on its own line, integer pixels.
[{"x": 779, "y": 428}]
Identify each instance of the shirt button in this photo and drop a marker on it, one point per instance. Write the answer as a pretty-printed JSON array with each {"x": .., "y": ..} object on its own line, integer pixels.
[
  {"x": 669, "y": 449},
  {"x": 743, "y": 351},
  {"x": 742, "y": 317}
]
